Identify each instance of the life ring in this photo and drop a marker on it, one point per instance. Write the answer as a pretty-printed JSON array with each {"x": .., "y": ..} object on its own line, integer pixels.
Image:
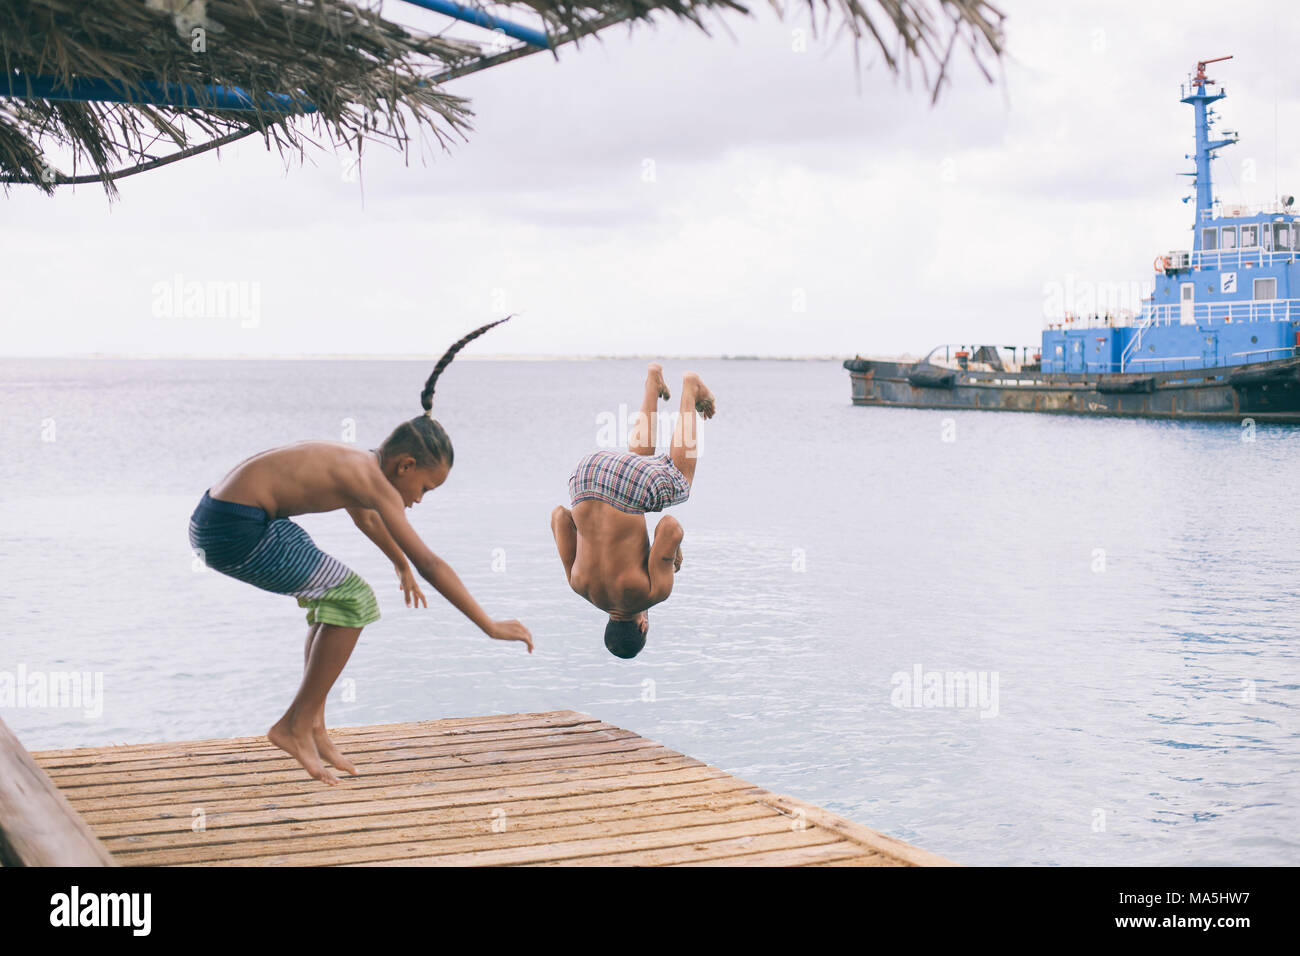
[{"x": 1161, "y": 264}]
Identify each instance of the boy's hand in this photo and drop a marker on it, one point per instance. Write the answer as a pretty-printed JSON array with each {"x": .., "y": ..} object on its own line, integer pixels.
[
  {"x": 406, "y": 581},
  {"x": 677, "y": 559},
  {"x": 511, "y": 631}
]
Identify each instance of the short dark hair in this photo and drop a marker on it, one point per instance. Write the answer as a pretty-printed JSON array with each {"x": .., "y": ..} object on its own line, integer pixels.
[{"x": 624, "y": 638}]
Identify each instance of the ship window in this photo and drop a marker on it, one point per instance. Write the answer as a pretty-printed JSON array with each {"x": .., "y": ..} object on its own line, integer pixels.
[
  {"x": 1249, "y": 237},
  {"x": 1266, "y": 288},
  {"x": 1283, "y": 236},
  {"x": 1229, "y": 237},
  {"x": 1210, "y": 239}
]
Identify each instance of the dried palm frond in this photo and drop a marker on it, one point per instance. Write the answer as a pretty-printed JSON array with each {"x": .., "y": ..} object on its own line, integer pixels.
[{"x": 324, "y": 64}]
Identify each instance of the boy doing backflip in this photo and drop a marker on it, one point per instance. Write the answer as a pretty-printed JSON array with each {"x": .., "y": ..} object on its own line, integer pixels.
[{"x": 602, "y": 539}]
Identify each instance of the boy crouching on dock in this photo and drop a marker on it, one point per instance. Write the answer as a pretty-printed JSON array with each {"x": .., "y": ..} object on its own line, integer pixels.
[{"x": 241, "y": 528}]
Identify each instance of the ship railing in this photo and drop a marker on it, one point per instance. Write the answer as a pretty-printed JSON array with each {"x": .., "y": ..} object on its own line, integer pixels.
[
  {"x": 1235, "y": 210},
  {"x": 1196, "y": 363},
  {"x": 1121, "y": 319},
  {"x": 946, "y": 356},
  {"x": 1250, "y": 310},
  {"x": 1135, "y": 342},
  {"x": 1193, "y": 364},
  {"x": 1241, "y": 257},
  {"x": 1265, "y": 355}
]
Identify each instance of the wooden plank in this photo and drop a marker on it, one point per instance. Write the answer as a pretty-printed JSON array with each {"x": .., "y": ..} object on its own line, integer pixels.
[
  {"x": 732, "y": 851},
  {"x": 667, "y": 830},
  {"x": 270, "y": 782},
  {"x": 640, "y": 786},
  {"x": 571, "y": 849},
  {"x": 471, "y": 779},
  {"x": 395, "y": 841},
  {"x": 523, "y": 812},
  {"x": 407, "y": 790},
  {"x": 38, "y": 827},
  {"x": 73, "y": 774},
  {"x": 869, "y": 859},
  {"x": 868, "y": 838},
  {"x": 269, "y": 760},
  {"x": 425, "y": 731},
  {"x": 448, "y": 726},
  {"x": 807, "y": 855}
]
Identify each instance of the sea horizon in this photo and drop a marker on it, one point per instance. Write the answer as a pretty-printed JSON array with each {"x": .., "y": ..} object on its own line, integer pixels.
[{"x": 424, "y": 357}]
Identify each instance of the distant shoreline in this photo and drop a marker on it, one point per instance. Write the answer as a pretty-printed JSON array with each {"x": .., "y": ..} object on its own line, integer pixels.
[{"x": 148, "y": 357}]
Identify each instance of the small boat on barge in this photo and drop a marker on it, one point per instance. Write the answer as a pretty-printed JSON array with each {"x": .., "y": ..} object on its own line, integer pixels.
[{"x": 1218, "y": 338}]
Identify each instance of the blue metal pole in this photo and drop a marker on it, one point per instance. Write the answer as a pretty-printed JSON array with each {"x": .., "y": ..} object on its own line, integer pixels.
[
  {"x": 213, "y": 97},
  {"x": 1200, "y": 101},
  {"x": 477, "y": 17}
]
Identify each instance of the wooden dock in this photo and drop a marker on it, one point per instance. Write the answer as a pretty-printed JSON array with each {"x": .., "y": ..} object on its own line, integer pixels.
[{"x": 545, "y": 789}]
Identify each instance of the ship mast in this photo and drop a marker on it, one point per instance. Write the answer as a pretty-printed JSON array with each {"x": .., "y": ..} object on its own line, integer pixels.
[{"x": 1205, "y": 147}]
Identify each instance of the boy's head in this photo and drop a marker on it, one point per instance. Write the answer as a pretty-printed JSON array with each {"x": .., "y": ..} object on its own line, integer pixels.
[
  {"x": 626, "y": 638},
  {"x": 416, "y": 458}
]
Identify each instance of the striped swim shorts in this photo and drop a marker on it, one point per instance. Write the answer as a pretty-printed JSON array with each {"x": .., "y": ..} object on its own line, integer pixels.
[
  {"x": 242, "y": 541},
  {"x": 629, "y": 482}
]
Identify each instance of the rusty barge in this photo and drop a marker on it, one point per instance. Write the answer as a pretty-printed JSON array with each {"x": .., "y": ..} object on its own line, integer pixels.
[{"x": 1262, "y": 391}]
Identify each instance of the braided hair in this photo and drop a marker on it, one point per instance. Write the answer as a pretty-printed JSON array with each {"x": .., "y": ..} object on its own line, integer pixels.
[{"x": 422, "y": 437}]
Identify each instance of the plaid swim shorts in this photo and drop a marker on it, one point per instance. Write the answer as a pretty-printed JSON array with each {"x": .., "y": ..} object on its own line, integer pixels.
[{"x": 629, "y": 482}]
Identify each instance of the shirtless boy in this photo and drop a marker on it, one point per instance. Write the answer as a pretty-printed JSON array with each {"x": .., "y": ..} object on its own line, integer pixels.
[
  {"x": 603, "y": 543},
  {"x": 241, "y": 528}
]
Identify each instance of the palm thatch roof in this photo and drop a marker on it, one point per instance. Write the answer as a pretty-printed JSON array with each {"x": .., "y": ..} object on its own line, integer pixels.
[{"x": 113, "y": 87}]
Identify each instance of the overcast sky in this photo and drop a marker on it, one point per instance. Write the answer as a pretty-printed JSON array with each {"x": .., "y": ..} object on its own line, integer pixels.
[{"x": 795, "y": 207}]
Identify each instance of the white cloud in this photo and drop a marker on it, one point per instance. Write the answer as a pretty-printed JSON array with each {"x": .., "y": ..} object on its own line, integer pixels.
[{"x": 900, "y": 225}]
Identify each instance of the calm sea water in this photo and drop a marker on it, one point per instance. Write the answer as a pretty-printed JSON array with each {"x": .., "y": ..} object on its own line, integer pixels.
[{"x": 1125, "y": 591}]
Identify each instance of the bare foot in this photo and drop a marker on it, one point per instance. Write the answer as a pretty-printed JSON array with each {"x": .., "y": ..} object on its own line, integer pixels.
[
  {"x": 655, "y": 376},
  {"x": 329, "y": 753},
  {"x": 302, "y": 748},
  {"x": 704, "y": 400}
]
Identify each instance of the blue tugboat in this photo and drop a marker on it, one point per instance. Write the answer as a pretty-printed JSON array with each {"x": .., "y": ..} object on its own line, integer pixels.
[{"x": 1218, "y": 338}]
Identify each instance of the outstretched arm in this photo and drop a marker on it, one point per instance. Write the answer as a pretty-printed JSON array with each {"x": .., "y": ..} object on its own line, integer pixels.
[
  {"x": 664, "y": 557},
  {"x": 372, "y": 526},
  {"x": 566, "y": 537},
  {"x": 383, "y": 498}
]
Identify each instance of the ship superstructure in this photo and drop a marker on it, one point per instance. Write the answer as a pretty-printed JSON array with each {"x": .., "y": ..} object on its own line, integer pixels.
[{"x": 1233, "y": 298}]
